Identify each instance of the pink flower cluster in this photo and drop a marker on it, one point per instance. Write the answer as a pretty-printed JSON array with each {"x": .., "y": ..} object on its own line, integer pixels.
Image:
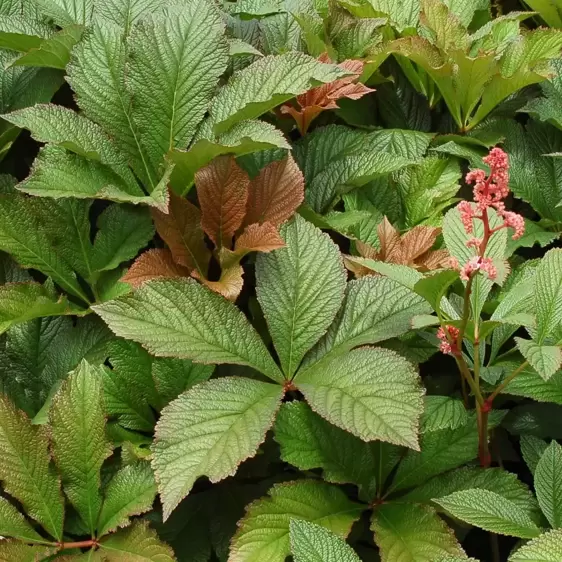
[
  {"x": 448, "y": 339},
  {"x": 488, "y": 192}
]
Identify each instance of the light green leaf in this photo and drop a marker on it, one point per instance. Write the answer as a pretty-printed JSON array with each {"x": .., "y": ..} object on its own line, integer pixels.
[
  {"x": 440, "y": 451},
  {"x": 67, "y": 12},
  {"x": 300, "y": 289},
  {"x": 243, "y": 138},
  {"x": 130, "y": 492},
  {"x": 307, "y": 441},
  {"x": 530, "y": 384},
  {"x": 78, "y": 440},
  {"x": 15, "y": 550},
  {"x": 209, "y": 430},
  {"x": 266, "y": 84},
  {"x": 412, "y": 533},
  {"x": 180, "y": 318},
  {"x": 25, "y": 468},
  {"x": 374, "y": 309},
  {"x": 548, "y": 484},
  {"x": 494, "y": 479},
  {"x": 13, "y": 524},
  {"x": 532, "y": 449},
  {"x": 180, "y": 58},
  {"x": 139, "y": 543},
  {"x": 237, "y": 47},
  {"x": 21, "y": 236},
  {"x": 545, "y": 359},
  {"x": 548, "y": 295},
  {"x": 19, "y": 33},
  {"x": 373, "y": 393},
  {"x": 545, "y": 548},
  {"x": 443, "y": 412},
  {"x": 491, "y": 512},
  {"x": 248, "y": 9},
  {"x": 68, "y": 129},
  {"x": 20, "y": 302},
  {"x": 122, "y": 231},
  {"x": 54, "y": 51},
  {"x": 313, "y": 543},
  {"x": 434, "y": 287},
  {"x": 263, "y": 534}
]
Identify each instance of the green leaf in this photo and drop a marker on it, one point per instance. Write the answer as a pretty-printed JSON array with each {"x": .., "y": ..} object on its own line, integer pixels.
[
  {"x": 266, "y": 84},
  {"x": 548, "y": 295},
  {"x": 434, "y": 287},
  {"x": 181, "y": 58},
  {"x": 130, "y": 492},
  {"x": 25, "y": 468},
  {"x": 139, "y": 543},
  {"x": 440, "y": 451},
  {"x": 548, "y": 484},
  {"x": 68, "y": 129},
  {"x": 307, "y": 441},
  {"x": 545, "y": 359},
  {"x": 19, "y": 33},
  {"x": 532, "y": 449},
  {"x": 300, "y": 289},
  {"x": 545, "y": 548},
  {"x": 491, "y": 512},
  {"x": 20, "y": 302},
  {"x": 373, "y": 393},
  {"x": 263, "y": 534},
  {"x": 209, "y": 430},
  {"x": 67, "y": 12},
  {"x": 78, "y": 440},
  {"x": 374, "y": 309},
  {"x": 54, "y": 51},
  {"x": 15, "y": 550},
  {"x": 443, "y": 412},
  {"x": 493, "y": 479},
  {"x": 313, "y": 543},
  {"x": 13, "y": 524},
  {"x": 122, "y": 231},
  {"x": 41, "y": 352},
  {"x": 530, "y": 384},
  {"x": 242, "y": 138},
  {"x": 174, "y": 376},
  {"x": 412, "y": 533},
  {"x": 180, "y": 318},
  {"x": 21, "y": 236}
]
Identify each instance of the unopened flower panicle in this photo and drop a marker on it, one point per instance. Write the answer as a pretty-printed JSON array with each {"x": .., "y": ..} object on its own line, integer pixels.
[
  {"x": 477, "y": 263},
  {"x": 448, "y": 339}
]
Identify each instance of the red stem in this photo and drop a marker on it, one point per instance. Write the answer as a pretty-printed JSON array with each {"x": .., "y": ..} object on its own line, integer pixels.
[{"x": 80, "y": 544}]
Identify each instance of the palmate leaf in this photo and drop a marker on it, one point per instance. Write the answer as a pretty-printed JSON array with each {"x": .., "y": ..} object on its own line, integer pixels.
[
  {"x": 374, "y": 309},
  {"x": 78, "y": 440},
  {"x": 139, "y": 543},
  {"x": 130, "y": 492},
  {"x": 373, "y": 393},
  {"x": 313, "y": 543},
  {"x": 192, "y": 329},
  {"x": 548, "y": 484},
  {"x": 545, "y": 548},
  {"x": 308, "y": 441},
  {"x": 25, "y": 468},
  {"x": 412, "y": 533},
  {"x": 490, "y": 511},
  {"x": 209, "y": 430},
  {"x": 263, "y": 534},
  {"x": 300, "y": 289},
  {"x": 545, "y": 359},
  {"x": 266, "y": 84}
]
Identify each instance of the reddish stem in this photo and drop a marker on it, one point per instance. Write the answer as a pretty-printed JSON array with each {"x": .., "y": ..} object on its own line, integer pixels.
[{"x": 80, "y": 544}]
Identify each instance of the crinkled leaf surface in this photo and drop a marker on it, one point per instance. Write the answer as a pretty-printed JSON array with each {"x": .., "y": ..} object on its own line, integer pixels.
[
  {"x": 545, "y": 548},
  {"x": 548, "y": 484},
  {"x": 373, "y": 393},
  {"x": 209, "y": 430},
  {"x": 263, "y": 534},
  {"x": 300, "y": 289},
  {"x": 180, "y": 318}
]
